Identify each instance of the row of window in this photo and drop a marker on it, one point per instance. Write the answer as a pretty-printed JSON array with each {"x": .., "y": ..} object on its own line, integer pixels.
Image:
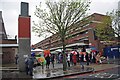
[{"x": 73, "y": 32}]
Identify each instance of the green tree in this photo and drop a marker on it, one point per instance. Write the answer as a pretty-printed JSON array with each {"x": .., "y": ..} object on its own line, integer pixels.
[
  {"x": 57, "y": 17},
  {"x": 115, "y": 17},
  {"x": 104, "y": 30}
]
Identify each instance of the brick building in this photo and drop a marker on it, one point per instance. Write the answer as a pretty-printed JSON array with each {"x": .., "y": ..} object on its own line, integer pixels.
[
  {"x": 8, "y": 47},
  {"x": 82, "y": 32}
]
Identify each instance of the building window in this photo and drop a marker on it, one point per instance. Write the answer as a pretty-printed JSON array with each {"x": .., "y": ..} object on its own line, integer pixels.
[{"x": 83, "y": 38}]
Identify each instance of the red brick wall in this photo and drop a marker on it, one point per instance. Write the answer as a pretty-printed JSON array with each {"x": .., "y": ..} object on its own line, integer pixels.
[
  {"x": 8, "y": 55},
  {"x": 24, "y": 27},
  {"x": 8, "y": 41}
]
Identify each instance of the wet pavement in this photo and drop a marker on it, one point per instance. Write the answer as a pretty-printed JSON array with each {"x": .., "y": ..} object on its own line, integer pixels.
[
  {"x": 106, "y": 74},
  {"x": 13, "y": 73},
  {"x": 58, "y": 72},
  {"x": 39, "y": 73},
  {"x": 112, "y": 61}
]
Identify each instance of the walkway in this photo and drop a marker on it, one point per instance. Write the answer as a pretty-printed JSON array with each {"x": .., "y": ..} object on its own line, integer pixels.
[
  {"x": 54, "y": 72},
  {"x": 39, "y": 73}
]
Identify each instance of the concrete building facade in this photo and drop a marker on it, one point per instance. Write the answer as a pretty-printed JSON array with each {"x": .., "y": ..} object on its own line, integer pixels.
[{"x": 82, "y": 32}]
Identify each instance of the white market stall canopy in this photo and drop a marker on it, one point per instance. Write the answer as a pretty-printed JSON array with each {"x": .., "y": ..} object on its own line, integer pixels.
[
  {"x": 37, "y": 50},
  {"x": 59, "y": 49},
  {"x": 76, "y": 44}
]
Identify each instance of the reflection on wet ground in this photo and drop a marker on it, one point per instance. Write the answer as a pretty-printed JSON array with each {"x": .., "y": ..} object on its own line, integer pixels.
[{"x": 58, "y": 72}]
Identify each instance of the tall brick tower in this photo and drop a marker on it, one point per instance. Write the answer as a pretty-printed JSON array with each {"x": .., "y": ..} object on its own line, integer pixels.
[{"x": 24, "y": 35}]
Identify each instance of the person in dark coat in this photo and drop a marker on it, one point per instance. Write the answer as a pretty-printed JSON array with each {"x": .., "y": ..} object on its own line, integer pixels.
[
  {"x": 16, "y": 59},
  {"x": 26, "y": 65},
  {"x": 77, "y": 56},
  {"x": 93, "y": 54},
  {"x": 31, "y": 65},
  {"x": 82, "y": 61},
  {"x": 71, "y": 60},
  {"x": 52, "y": 59},
  {"x": 83, "y": 49},
  {"x": 87, "y": 58},
  {"x": 47, "y": 58}
]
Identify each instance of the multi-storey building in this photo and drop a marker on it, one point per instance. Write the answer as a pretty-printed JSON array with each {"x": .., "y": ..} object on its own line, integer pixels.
[{"x": 81, "y": 32}]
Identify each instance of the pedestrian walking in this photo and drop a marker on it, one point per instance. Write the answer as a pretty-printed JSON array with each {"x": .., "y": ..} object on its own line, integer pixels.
[
  {"x": 59, "y": 58},
  {"x": 47, "y": 58},
  {"x": 71, "y": 60},
  {"x": 26, "y": 65},
  {"x": 74, "y": 59},
  {"x": 93, "y": 55},
  {"x": 77, "y": 56},
  {"x": 53, "y": 59},
  {"x": 68, "y": 60},
  {"x": 31, "y": 65},
  {"x": 16, "y": 59},
  {"x": 98, "y": 60},
  {"x": 87, "y": 58},
  {"x": 82, "y": 60}
]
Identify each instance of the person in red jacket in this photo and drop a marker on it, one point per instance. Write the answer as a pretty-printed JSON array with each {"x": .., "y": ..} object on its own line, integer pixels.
[{"x": 74, "y": 58}]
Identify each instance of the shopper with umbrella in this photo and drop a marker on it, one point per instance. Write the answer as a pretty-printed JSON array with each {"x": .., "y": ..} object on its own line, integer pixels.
[
  {"x": 41, "y": 61},
  {"x": 74, "y": 57},
  {"x": 47, "y": 57},
  {"x": 82, "y": 58},
  {"x": 68, "y": 59},
  {"x": 53, "y": 59}
]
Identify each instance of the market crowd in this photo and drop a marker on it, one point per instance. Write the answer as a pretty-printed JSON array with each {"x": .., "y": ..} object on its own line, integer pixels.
[{"x": 72, "y": 58}]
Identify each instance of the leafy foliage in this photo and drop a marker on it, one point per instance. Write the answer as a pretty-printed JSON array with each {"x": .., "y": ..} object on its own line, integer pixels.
[
  {"x": 57, "y": 17},
  {"x": 104, "y": 31},
  {"x": 115, "y": 16}
]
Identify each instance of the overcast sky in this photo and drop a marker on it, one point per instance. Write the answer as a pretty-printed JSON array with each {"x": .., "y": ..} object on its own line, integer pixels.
[{"x": 11, "y": 10}]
